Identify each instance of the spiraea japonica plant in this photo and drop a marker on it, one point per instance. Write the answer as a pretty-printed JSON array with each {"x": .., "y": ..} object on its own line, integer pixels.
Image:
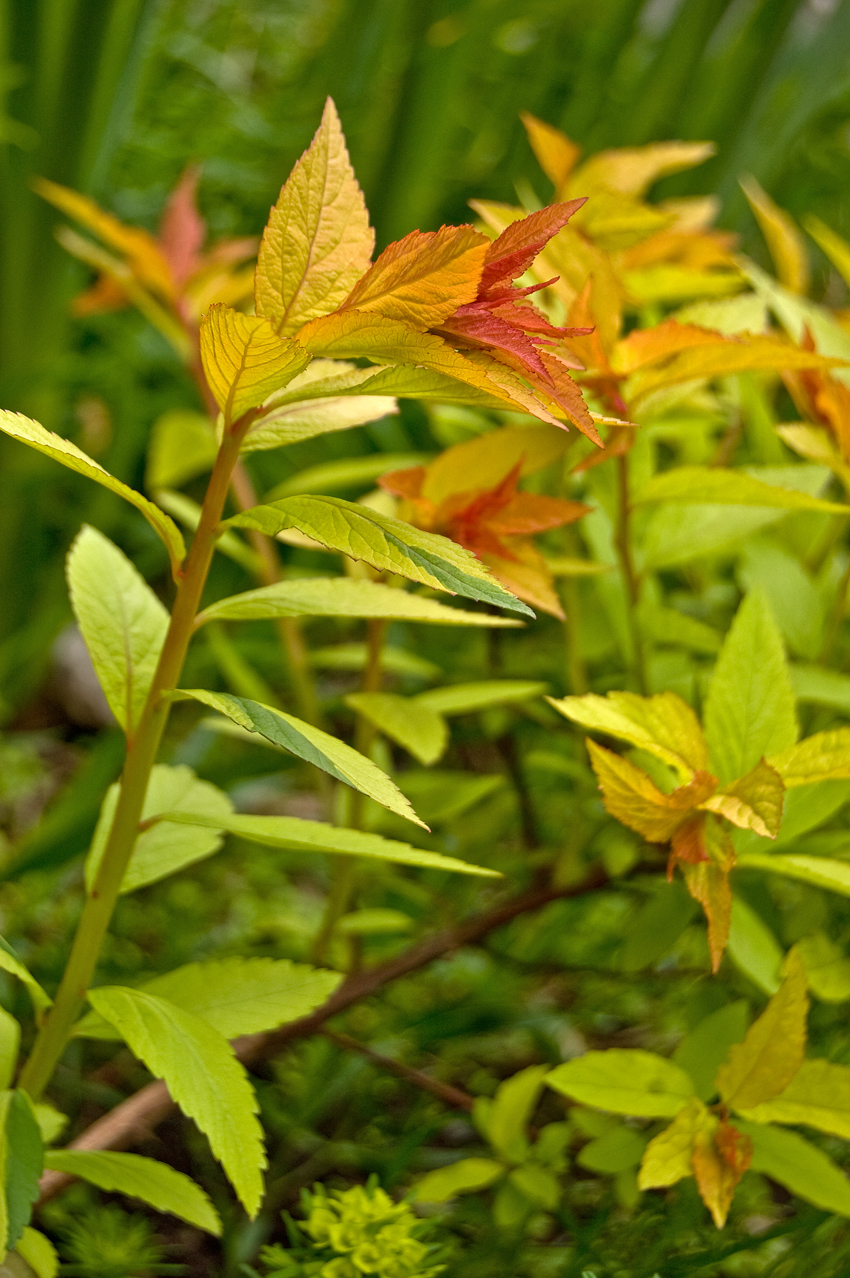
[{"x": 331, "y": 342}]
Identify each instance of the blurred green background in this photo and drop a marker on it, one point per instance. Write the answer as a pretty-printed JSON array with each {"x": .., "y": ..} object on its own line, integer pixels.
[{"x": 113, "y": 97}]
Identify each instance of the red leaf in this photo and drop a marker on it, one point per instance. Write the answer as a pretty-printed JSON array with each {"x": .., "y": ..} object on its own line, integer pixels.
[
  {"x": 511, "y": 253},
  {"x": 566, "y": 394},
  {"x": 404, "y": 483},
  {"x": 483, "y": 328},
  {"x": 530, "y": 513},
  {"x": 182, "y": 230}
]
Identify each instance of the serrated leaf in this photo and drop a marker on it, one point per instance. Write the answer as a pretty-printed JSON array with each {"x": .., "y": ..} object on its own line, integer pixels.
[
  {"x": 202, "y": 1075},
  {"x": 664, "y": 725},
  {"x": 753, "y": 802},
  {"x": 801, "y": 1167},
  {"x": 120, "y": 618},
  {"x": 62, "y": 450},
  {"x": 245, "y": 360},
  {"x": 24, "y": 1161},
  {"x": 386, "y": 544},
  {"x": 467, "y": 698},
  {"x": 624, "y": 1081},
  {"x": 292, "y": 422},
  {"x": 704, "y": 485},
  {"x": 318, "y": 241},
  {"x": 464, "y": 1177},
  {"x": 511, "y": 1109},
  {"x": 423, "y": 278},
  {"x": 161, "y": 850},
  {"x": 314, "y": 836},
  {"x": 708, "y": 882},
  {"x": 820, "y": 871},
  {"x": 420, "y": 730},
  {"x": 631, "y": 797},
  {"x": 703, "y": 1051},
  {"x": 749, "y": 712},
  {"x": 39, "y": 1253},
  {"x": 823, "y": 757},
  {"x": 818, "y": 1096},
  {"x": 761, "y": 1066},
  {"x": 342, "y": 597},
  {"x": 9, "y": 962},
  {"x": 160, "y": 1186},
  {"x": 667, "y": 1158},
  {"x": 733, "y": 356},
  {"x": 309, "y": 743}
]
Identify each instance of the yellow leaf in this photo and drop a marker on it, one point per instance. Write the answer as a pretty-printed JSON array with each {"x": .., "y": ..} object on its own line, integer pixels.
[
  {"x": 667, "y": 1157},
  {"x": 818, "y": 1096},
  {"x": 484, "y": 460},
  {"x": 318, "y": 241},
  {"x": 663, "y": 724},
  {"x": 762, "y": 1066},
  {"x": 645, "y": 346},
  {"x": 753, "y": 802},
  {"x": 556, "y": 153},
  {"x": 632, "y": 798},
  {"x": 244, "y": 359},
  {"x": 786, "y": 244},
  {"x": 708, "y": 883},
  {"x": 614, "y": 221},
  {"x": 719, "y": 1161},
  {"x": 835, "y": 248},
  {"x": 632, "y": 170},
  {"x": 423, "y": 278},
  {"x": 823, "y": 757}
]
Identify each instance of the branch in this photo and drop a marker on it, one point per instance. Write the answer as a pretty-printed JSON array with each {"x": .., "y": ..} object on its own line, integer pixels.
[
  {"x": 443, "y": 1091},
  {"x": 132, "y": 1120}
]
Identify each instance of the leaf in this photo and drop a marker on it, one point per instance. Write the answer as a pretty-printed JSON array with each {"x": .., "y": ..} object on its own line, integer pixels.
[
  {"x": 624, "y": 1081},
  {"x": 309, "y": 743},
  {"x": 632, "y": 170},
  {"x": 423, "y": 278},
  {"x": 823, "y": 757},
  {"x": 760, "y": 1067},
  {"x": 753, "y": 948},
  {"x": 342, "y": 597},
  {"x": 161, "y": 850},
  {"x": 818, "y": 1096},
  {"x": 719, "y": 1160},
  {"x": 786, "y": 244},
  {"x": 484, "y": 461},
  {"x": 733, "y": 356},
  {"x": 632, "y": 798},
  {"x": 318, "y": 241},
  {"x": 245, "y": 360},
  {"x": 467, "y": 698},
  {"x": 511, "y": 1109},
  {"x": 820, "y": 871},
  {"x": 708, "y": 883},
  {"x": 9, "y": 962},
  {"x": 62, "y": 450},
  {"x": 667, "y": 1158},
  {"x": 157, "y": 1184},
  {"x": 657, "y": 926},
  {"x": 833, "y": 245},
  {"x": 10, "y": 1041},
  {"x": 202, "y": 1075},
  {"x": 705, "y": 485},
  {"x": 664, "y": 725},
  {"x": 753, "y": 802},
  {"x": 343, "y": 473},
  {"x": 421, "y": 731},
  {"x": 795, "y": 600},
  {"x": 386, "y": 544},
  {"x": 39, "y": 1253},
  {"x": 615, "y": 1151},
  {"x": 749, "y": 711},
  {"x": 820, "y": 686},
  {"x": 314, "y": 836},
  {"x": 801, "y": 1167},
  {"x": 555, "y": 152},
  {"x": 182, "y": 445},
  {"x": 292, "y": 423},
  {"x": 121, "y": 619},
  {"x": 464, "y": 1177},
  {"x": 703, "y": 1051},
  {"x": 24, "y": 1161},
  {"x": 827, "y": 970}
]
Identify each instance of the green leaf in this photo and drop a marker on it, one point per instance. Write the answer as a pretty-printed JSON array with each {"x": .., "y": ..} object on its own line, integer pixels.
[
  {"x": 51, "y": 1122},
  {"x": 345, "y": 472},
  {"x": 664, "y": 725},
  {"x": 62, "y": 450},
  {"x": 394, "y": 661},
  {"x": 818, "y": 1096},
  {"x": 9, "y": 962},
  {"x": 753, "y": 948},
  {"x": 705, "y": 485},
  {"x": 820, "y": 871},
  {"x": 342, "y": 597},
  {"x": 827, "y": 970},
  {"x": 468, "y": 698},
  {"x": 794, "y": 598},
  {"x": 121, "y": 619},
  {"x": 10, "y": 1041},
  {"x": 657, "y": 926},
  {"x": 443, "y": 795},
  {"x": 39, "y": 1253},
  {"x": 822, "y": 687},
  {"x": 202, "y": 1075},
  {"x": 235, "y": 995},
  {"x": 704, "y": 1050},
  {"x": 464, "y": 1177},
  {"x": 823, "y": 757},
  {"x": 536, "y": 1184},
  {"x": 161, "y": 849},
  {"x": 311, "y": 744},
  {"x": 182, "y": 445},
  {"x": 801, "y": 1167},
  {"x": 420, "y": 730},
  {"x": 749, "y": 712},
  {"x": 299, "y": 835},
  {"x": 386, "y": 544},
  {"x": 292, "y": 422},
  {"x": 24, "y": 1163},
  {"x": 618, "y": 1149},
  {"x": 624, "y": 1081},
  {"x": 157, "y": 1184},
  {"x": 511, "y": 1109}
]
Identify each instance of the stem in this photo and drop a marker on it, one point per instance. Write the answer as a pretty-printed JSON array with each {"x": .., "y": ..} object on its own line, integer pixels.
[
  {"x": 577, "y": 682},
  {"x": 141, "y": 754},
  {"x": 623, "y": 542},
  {"x": 837, "y": 615}
]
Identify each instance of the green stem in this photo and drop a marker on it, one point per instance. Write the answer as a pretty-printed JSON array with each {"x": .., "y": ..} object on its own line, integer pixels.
[
  {"x": 623, "y": 543},
  {"x": 837, "y": 616},
  {"x": 141, "y": 754}
]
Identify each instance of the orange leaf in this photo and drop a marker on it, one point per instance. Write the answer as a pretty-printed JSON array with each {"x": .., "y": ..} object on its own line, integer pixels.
[
  {"x": 719, "y": 1161},
  {"x": 182, "y": 230},
  {"x": 708, "y": 883},
  {"x": 527, "y": 576},
  {"x": 634, "y": 799},
  {"x": 762, "y": 1066},
  {"x": 649, "y": 345}
]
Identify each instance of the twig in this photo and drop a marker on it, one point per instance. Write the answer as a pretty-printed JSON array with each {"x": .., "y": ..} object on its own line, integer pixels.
[
  {"x": 443, "y": 1091},
  {"x": 132, "y": 1120}
]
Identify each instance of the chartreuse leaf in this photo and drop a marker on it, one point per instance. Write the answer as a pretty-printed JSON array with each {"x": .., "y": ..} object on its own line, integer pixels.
[
  {"x": 244, "y": 359},
  {"x": 827, "y": 969},
  {"x": 415, "y": 727},
  {"x": 39, "y": 1253},
  {"x": 753, "y": 948},
  {"x": 801, "y": 1167},
  {"x": 834, "y": 246},
  {"x": 786, "y": 244},
  {"x": 234, "y": 995},
  {"x": 9, "y": 962},
  {"x": 121, "y": 620},
  {"x": 10, "y": 1041},
  {"x": 468, "y": 698},
  {"x": 818, "y": 1096},
  {"x": 761, "y": 1066},
  {"x": 62, "y": 450},
  {"x": 318, "y": 241},
  {"x": 161, "y": 849},
  {"x": 703, "y": 1051},
  {"x": 820, "y": 871},
  {"x": 464, "y": 1177},
  {"x": 202, "y": 1075},
  {"x": 182, "y": 445},
  {"x": 342, "y": 597},
  {"x": 24, "y": 1161},
  {"x": 749, "y": 712},
  {"x": 510, "y": 1111},
  {"x": 309, "y": 743},
  {"x": 667, "y": 1158},
  {"x": 299, "y": 835},
  {"x": 703, "y": 485},
  {"x": 157, "y": 1184},
  {"x": 423, "y": 278},
  {"x": 386, "y": 544},
  {"x": 753, "y": 802},
  {"x": 738, "y": 356},
  {"x": 624, "y": 1081},
  {"x": 289, "y": 423},
  {"x": 614, "y": 1151},
  {"x": 664, "y": 725},
  {"x": 823, "y": 757}
]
